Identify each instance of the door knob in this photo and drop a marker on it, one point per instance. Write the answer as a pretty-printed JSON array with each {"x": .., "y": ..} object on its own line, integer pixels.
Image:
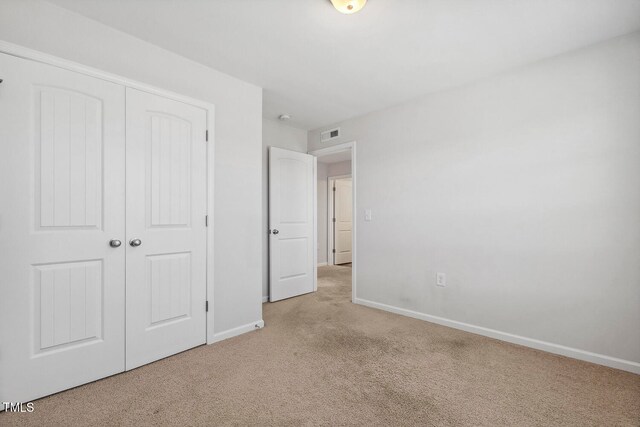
[
  {"x": 135, "y": 242},
  {"x": 115, "y": 243},
  {"x": 275, "y": 231}
]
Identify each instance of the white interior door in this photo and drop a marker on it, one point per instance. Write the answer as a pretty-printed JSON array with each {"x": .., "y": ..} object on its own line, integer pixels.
[
  {"x": 62, "y": 285},
  {"x": 343, "y": 207},
  {"x": 166, "y": 234},
  {"x": 291, "y": 223}
]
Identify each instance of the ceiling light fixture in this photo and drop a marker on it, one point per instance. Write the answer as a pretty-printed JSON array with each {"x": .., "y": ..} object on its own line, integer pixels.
[{"x": 348, "y": 6}]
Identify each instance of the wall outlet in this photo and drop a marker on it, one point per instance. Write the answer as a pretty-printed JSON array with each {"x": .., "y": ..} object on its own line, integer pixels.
[
  {"x": 367, "y": 214},
  {"x": 441, "y": 279}
]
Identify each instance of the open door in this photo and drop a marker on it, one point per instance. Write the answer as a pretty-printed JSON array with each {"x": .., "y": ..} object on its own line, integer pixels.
[
  {"x": 291, "y": 223},
  {"x": 342, "y": 223}
]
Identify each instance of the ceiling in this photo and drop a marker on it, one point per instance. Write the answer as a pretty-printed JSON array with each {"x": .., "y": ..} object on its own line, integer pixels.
[{"x": 322, "y": 67}]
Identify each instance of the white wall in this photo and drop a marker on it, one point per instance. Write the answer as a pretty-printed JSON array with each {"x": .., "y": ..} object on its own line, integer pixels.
[
  {"x": 326, "y": 170},
  {"x": 238, "y": 133},
  {"x": 274, "y": 134},
  {"x": 339, "y": 168},
  {"x": 524, "y": 189}
]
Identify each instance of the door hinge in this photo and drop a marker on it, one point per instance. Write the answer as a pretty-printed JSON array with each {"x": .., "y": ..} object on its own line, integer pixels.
[
  {"x": 206, "y": 135},
  {"x": 334, "y": 188},
  {"x": 334, "y": 251},
  {"x": 206, "y": 306},
  {"x": 206, "y": 220},
  {"x": 334, "y": 220}
]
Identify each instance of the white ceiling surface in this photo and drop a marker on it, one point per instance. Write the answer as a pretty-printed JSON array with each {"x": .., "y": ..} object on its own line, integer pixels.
[
  {"x": 322, "y": 67},
  {"x": 340, "y": 156}
]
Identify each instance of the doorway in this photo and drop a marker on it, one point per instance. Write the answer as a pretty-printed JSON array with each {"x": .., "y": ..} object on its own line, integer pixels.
[{"x": 335, "y": 212}]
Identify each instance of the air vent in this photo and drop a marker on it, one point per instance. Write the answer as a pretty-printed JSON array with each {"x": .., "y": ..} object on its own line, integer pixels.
[{"x": 328, "y": 135}]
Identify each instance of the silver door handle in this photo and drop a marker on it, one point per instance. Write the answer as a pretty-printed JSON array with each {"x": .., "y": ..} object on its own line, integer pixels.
[
  {"x": 115, "y": 243},
  {"x": 135, "y": 242},
  {"x": 275, "y": 231}
]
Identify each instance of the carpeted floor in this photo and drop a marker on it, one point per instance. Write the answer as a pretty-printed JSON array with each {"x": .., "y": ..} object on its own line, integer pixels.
[{"x": 321, "y": 360}]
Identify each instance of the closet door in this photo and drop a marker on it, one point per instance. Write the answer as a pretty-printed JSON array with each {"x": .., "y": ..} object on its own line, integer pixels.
[
  {"x": 166, "y": 234},
  {"x": 62, "y": 285}
]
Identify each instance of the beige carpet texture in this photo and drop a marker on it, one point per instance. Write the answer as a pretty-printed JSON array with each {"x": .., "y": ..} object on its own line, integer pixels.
[{"x": 321, "y": 360}]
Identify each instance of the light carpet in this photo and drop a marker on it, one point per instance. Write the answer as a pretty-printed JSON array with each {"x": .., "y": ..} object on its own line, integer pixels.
[{"x": 321, "y": 360}]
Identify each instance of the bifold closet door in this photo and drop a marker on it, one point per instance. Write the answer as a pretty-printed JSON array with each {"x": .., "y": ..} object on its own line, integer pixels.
[
  {"x": 166, "y": 234},
  {"x": 62, "y": 198}
]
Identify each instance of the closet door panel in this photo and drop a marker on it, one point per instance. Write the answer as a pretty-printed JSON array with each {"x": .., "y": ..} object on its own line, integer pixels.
[
  {"x": 62, "y": 191},
  {"x": 166, "y": 234}
]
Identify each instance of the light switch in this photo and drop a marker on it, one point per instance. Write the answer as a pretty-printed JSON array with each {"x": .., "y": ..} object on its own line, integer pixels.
[{"x": 367, "y": 214}]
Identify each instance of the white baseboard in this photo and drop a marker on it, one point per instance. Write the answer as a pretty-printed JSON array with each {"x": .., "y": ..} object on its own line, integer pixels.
[
  {"x": 600, "y": 359},
  {"x": 321, "y": 264},
  {"x": 259, "y": 324},
  {"x": 265, "y": 298}
]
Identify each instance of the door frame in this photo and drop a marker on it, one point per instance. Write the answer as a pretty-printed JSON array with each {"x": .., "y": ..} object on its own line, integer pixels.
[
  {"x": 346, "y": 146},
  {"x": 330, "y": 224},
  {"x": 37, "y": 56}
]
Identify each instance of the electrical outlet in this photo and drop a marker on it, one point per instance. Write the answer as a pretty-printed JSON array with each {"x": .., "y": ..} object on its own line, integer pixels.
[
  {"x": 441, "y": 279},
  {"x": 367, "y": 214}
]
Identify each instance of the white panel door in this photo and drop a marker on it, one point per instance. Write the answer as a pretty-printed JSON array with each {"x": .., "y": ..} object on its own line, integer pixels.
[
  {"x": 291, "y": 223},
  {"x": 62, "y": 285},
  {"x": 166, "y": 208},
  {"x": 343, "y": 224}
]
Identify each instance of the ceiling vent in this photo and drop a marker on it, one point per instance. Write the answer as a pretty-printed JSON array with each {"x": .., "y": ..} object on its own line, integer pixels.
[{"x": 330, "y": 134}]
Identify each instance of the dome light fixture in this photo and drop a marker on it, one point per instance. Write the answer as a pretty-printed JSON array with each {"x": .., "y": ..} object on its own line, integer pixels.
[{"x": 348, "y": 6}]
